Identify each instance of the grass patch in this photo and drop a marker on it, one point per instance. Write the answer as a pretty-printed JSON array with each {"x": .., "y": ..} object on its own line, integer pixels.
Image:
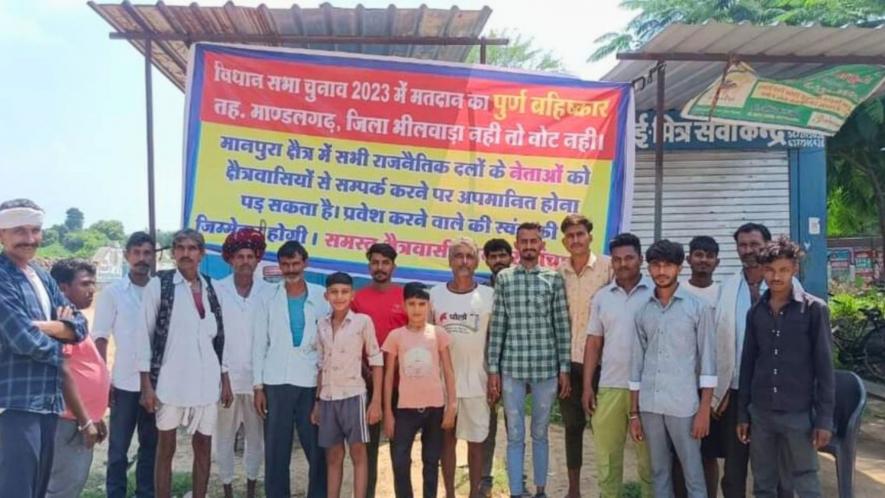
[{"x": 95, "y": 486}]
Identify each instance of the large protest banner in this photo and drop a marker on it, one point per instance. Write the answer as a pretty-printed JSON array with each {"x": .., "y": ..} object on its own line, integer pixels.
[{"x": 340, "y": 151}]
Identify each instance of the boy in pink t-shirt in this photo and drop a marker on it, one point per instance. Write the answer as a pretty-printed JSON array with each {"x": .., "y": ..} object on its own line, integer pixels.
[{"x": 418, "y": 352}]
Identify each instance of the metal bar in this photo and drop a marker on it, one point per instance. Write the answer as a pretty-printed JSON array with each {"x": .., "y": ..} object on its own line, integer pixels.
[
  {"x": 149, "y": 108},
  {"x": 366, "y": 40},
  {"x": 722, "y": 57},
  {"x": 659, "y": 151},
  {"x": 482, "y": 51}
]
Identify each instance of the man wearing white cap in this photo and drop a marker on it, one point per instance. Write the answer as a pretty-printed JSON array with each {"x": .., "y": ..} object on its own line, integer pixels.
[{"x": 35, "y": 318}]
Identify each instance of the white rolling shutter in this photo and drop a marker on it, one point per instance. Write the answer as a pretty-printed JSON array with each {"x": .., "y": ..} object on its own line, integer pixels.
[{"x": 712, "y": 193}]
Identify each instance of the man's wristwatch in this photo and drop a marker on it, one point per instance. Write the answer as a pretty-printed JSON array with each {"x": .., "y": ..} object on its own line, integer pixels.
[{"x": 85, "y": 426}]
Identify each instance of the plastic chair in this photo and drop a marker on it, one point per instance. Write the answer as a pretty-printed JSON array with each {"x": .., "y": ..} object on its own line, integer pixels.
[{"x": 851, "y": 398}]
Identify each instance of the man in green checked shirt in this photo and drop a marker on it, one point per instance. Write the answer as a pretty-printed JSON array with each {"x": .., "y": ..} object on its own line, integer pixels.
[{"x": 529, "y": 346}]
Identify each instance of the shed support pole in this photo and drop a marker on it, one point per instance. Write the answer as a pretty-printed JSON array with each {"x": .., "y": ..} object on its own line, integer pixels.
[
  {"x": 149, "y": 112},
  {"x": 659, "y": 151},
  {"x": 482, "y": 51}
]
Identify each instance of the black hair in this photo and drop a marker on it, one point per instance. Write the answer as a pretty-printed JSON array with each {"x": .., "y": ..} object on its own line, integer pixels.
[
  {"x": 495, "y": 245},
  {"x": 339, "y": 278},
  {"x": 753, "y": 227},
  {"x": 667, "y": 251},
  {"x": 623, "y": 240},
  {"x": 189, "y": 233},
  {"x": 383, "y": 249},
  {"x": 65, "y": 270},
  {"x": 782, "y": 248},
  {"x": 416, "y": 290},
  {"x": 140, "y": 238},
  {"x": 576, "y": 220},
  {"x": 20, "y": 203},
  {"x": 528, "y": 225},
  {"x": 703, "y": 243},
  {"x": 290, "y": 249}
]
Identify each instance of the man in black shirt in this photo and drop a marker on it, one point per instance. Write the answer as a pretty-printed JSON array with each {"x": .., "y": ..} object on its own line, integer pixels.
[{"x": 787, "y": 391}]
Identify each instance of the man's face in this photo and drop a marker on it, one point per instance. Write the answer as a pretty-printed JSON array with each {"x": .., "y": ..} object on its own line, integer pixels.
[
  {"x": 339, "y": 296},
  {"x": 381, "y": 267},
  {"x": 626, "y": 263},
  {"x": 21, "y": 242},
  {"x": 140, "y": 259},
  {"x": 664, "y": 273},
  {"x": 292, "y": 268},
  {"x": 748, "y": 244},
  {"x": 779, "y": 274},
  {"x": 187, "y": 254},
  {"x": 702, "y": 262},
  {"x": 463, "y": 261},
  {"x": 417, "y": 309},
  {"x": 498, "y": 260},
  {"x": 244, "y": 262},
  {"x": 529, "y": 244},
  {"x": 81, "y": 290},
  {"x": 576, "y": 240}
]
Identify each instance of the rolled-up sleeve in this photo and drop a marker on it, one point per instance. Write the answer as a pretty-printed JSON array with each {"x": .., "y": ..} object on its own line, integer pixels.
[
  {"x": 594, "y": 326},
  {"x": 706, "y": 336},
  {"x": 373, "y": 351}
]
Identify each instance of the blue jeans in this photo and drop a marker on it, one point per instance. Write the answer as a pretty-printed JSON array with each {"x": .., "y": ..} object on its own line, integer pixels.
[
  {"x": 543, "y": 394},
  {"x": 288, "y": 410},
  {"x": 27, "y": 445},
  {"x": 126, "y": 415}
]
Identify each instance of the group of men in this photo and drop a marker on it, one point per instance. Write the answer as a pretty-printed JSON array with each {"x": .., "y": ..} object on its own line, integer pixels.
[{"x": 688, "y": 369}]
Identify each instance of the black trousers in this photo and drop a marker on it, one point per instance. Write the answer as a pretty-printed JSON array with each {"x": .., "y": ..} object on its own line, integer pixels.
[{"x": 408, "y": 422}]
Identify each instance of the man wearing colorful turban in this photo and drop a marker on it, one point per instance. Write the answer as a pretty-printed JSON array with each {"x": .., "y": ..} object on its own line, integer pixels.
[{"x": 237, "y": 294}]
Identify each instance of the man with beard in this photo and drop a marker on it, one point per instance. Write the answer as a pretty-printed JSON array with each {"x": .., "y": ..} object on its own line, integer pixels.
[
  {"x": 238, "y": 294},
  {"x": 284, "y": 367},
  {"x": 674, "y": 358},
  {"x": 610, "y": 336},
  {"x": 34, "y": 318},
  {"x": 584, "y": 273},
  {"x": 738, "y": 293},
  {"x": 498, "y": 255},
  {"x": 529, "y": 346},
  {"x": 179, "y": 354},
  {"x": 86, "y": 386},
  {"x": 463, "y": 308},
  {"x": 117, "y": 313},
  {"x": 382, "y": 300}
]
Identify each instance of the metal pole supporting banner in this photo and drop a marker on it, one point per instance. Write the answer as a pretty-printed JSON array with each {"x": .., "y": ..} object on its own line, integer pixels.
[
  {"x": 659, "y": 151},
  {"x": 149, "y": 103},
  {"x": 482, "y": 51}
]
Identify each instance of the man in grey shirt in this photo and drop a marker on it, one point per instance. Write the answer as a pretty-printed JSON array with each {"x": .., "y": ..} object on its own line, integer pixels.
[{"x": 674, "y": 355}]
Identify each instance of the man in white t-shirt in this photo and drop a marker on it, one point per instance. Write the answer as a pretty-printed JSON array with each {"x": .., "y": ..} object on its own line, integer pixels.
[{"x": 464, "y": 308}]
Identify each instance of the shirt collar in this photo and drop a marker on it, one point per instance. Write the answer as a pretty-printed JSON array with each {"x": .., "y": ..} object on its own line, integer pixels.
[
  {"x": 522, "y": 269},
  {"x": 680, "y": 294},
  {"x": 178, "y": 278},
  {"x": 643, "y": 282},
  {"x": 798, "y": 295},
  {"x": 566, "y": 264},
  {"x": 347, "y": 318}
]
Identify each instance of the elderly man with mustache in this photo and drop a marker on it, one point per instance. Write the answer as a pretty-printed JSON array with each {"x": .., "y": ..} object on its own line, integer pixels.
[{"x": 117, "y": 313}]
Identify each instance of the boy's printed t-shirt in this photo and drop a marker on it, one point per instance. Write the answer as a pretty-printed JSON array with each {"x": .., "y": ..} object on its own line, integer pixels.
[
  {"x": 465, "y": 316},
  {"x": 417, "y": 354}
]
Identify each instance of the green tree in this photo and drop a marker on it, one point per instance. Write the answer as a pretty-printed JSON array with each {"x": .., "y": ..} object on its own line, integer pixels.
[
  {"x": 74, "y": 219},
  {"x": 112, "y": 229},
  {"x": 520, "y": 53},
  {"x": 655, "y": 15}
]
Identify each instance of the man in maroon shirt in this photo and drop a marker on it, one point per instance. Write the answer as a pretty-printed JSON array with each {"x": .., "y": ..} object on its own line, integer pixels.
[{"x": 382, "y": 300}]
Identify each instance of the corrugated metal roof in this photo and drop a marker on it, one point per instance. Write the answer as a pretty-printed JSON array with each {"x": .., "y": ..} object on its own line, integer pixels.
[
  {"x": 685, "y": 80},
  {"x": 194, "y": 21}
]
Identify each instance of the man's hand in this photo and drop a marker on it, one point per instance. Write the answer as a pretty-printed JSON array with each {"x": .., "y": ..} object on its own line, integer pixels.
[
  {"x": 374, "y": 413},
  {"x": 148, "y": 399},
  {"x": 64, "y": 313},
  {"x": 227, "y": 394},
  {"x": 494, "y": 388},
  {"x": 389, "y": 426},
  {"x": 448, "y": 421},
  {"x": 260, "y": 401},
  {"x": 636, "y": 430},
  {"x": 90, "y": 435},
  {"x": 821, "y": 438},
  {"x": 701, "y": 425},
  {"x": 588, "y": 400},
  {"x": 102, "y": 431},
  {"x": 315, "y": 414},
  {"x": 565, "y": 385},
  {"x": 723, "y": 405},
  {"x": 743, "y": 431}
]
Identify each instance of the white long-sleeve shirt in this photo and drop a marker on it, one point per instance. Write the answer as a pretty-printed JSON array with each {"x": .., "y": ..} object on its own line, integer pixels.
[
  {"x": 237, "y": 312},
  {"x": 190, "y": 374},
  {"x": 118, "y": 313}
]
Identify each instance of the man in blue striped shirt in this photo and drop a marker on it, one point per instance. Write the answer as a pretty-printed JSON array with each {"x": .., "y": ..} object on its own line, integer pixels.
[{"x": 35, "y": 318}]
